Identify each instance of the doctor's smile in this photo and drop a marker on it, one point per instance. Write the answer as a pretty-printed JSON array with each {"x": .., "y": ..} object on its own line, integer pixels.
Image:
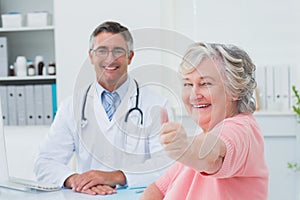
[{"x": 111, "y": 67}]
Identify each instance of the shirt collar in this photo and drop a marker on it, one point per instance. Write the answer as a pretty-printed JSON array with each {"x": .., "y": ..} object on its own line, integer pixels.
[{"x": 122, "y": 90}]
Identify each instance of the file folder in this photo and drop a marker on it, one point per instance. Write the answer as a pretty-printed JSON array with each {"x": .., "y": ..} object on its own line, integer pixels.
[
  {"x": 38, "y": 99},
  {"x": 30, "y": 105},
  {"x": 282, "y": 87},
  {"x": 54, "y": 100},
  {"x": 20, "y": 98},
  {"x": 294, "y": 80},
  {"x": 12, "y": 101},
  {"x": 260, "y": 76},
  {"x": 270, "y": 102},
  {"x": 4, "y": 103},
  {"x": 3, "y": 57},
  {"x": 47, "y": 101}
]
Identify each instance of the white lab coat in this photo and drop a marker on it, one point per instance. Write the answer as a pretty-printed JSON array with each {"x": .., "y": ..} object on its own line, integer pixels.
[{"x": 103, "y": 144}]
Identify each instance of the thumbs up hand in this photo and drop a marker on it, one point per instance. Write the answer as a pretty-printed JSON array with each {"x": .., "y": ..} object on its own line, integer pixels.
[
  {"x": 201, "y": 152},
  {"x": 173, "y": 137}
]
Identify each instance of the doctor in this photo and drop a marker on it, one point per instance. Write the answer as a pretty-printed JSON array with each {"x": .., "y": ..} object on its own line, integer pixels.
[{"x": 112, "y": 126}]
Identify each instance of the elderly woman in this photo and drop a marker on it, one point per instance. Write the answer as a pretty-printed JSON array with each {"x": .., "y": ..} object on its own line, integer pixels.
[{"x": 226, "y": 160}]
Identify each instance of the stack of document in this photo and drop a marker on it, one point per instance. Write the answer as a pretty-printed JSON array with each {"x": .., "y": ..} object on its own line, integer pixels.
[
  {"x": 274, "y": 84},
  {"x": 28, "y": 104}
]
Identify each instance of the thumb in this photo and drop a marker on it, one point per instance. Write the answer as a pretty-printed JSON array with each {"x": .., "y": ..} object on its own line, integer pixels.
[{"x": 164, "y": 116}]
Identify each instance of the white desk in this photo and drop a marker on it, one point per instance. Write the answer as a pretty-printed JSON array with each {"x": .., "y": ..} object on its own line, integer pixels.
[{"x": 67, "y": 194}]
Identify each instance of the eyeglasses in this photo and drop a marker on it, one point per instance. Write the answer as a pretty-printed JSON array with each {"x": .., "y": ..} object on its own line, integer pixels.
[{"x": 103, "y": 52}]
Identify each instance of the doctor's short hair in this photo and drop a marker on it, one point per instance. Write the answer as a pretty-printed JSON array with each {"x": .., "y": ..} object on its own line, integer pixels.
[
  {"x": 235, "y": 66},
  {"x": 115, "y": 28}
]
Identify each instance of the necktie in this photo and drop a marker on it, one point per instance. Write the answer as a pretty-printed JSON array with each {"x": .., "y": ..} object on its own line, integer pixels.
[{"x": 110, "y": 102}]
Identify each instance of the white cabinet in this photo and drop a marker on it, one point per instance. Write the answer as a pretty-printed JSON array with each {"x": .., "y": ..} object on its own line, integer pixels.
[
  {"x": 281, "y": 134},
  {"x": 30, "y": 41}
]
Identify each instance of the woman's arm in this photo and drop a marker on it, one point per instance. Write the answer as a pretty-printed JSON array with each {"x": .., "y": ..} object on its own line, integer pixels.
[
  {"x": 203, "y": 153},
  {"x": 152, "y": 193}
]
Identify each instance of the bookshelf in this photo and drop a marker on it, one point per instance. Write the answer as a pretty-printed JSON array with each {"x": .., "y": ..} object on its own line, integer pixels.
[{"x": 29, "y": 41}]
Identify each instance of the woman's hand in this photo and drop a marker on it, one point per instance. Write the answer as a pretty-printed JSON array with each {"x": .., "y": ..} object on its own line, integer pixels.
[
  {"x": 202, "y": 152},
  {"x": 173, "y": 137}
]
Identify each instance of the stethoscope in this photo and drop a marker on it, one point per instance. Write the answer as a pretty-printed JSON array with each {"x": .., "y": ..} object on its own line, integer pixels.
[{"x": 84, "y": 120}]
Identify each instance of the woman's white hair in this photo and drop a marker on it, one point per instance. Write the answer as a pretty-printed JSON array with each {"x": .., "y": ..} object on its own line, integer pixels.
[{"x": 235, "y": 65}]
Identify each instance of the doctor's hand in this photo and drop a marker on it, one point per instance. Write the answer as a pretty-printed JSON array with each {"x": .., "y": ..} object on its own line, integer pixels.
[
  {"x": 99, "y": 189},
  {"x": 173, "y": 137},
  {"x": 96, "y": 182}
]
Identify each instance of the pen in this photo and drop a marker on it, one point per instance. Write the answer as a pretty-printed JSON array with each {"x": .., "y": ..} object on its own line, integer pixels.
[{"x": 139, "y": 191}]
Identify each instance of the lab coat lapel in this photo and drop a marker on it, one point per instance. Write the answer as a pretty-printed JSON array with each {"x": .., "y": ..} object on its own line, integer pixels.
[
  {"x": 125, "y": 105},
  {"x": 94, "y": 137},
  {"x": 99, "y": 138}
]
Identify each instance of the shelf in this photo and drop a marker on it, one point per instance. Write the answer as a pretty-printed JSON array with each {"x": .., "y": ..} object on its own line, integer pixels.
[
  {"x": 21, "y": 29},
  {"x": 274, "y": 113},
  {"x": 22, "y": 78},
  {"x": 28, "y": 100},
  {"x": 27, "y": 128}
]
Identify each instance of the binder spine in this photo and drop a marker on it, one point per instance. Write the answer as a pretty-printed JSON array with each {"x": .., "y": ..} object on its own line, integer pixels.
[
  {"x": 20, "y": 98},
  {"x": 54, "y": 100},
  {"x": 3, "y": 57}
]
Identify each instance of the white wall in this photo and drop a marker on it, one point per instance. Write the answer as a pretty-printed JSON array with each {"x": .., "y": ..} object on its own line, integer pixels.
[
  {"x": 74, "y": 22},
  {"x": 268, "y": 30}
]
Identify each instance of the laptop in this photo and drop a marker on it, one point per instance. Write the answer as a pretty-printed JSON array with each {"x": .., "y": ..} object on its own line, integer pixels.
[{"x": 15, "y": 183}]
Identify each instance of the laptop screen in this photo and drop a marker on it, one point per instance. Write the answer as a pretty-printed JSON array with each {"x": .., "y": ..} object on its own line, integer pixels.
[{"x": 18, "y": 149}]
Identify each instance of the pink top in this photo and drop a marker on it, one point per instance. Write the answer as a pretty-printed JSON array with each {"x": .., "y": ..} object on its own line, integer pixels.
[{"x": 243, "y": 175}]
